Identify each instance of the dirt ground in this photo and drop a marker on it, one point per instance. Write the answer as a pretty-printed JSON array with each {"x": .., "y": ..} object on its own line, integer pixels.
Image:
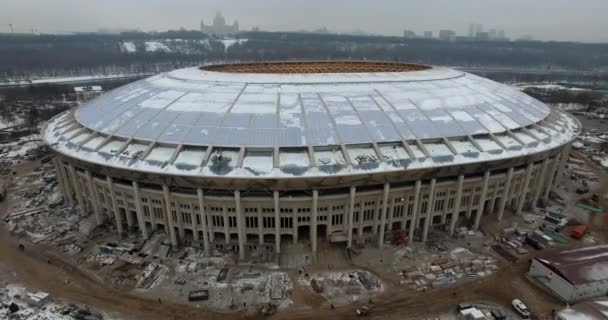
[{"x": 43, "y": 269}]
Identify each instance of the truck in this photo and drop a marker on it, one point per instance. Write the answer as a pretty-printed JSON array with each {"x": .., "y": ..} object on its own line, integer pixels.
[{"x": 579, "y": 231}]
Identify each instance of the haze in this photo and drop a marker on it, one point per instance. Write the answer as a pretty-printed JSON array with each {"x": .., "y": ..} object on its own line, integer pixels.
[{"x": 583, "y": 20}]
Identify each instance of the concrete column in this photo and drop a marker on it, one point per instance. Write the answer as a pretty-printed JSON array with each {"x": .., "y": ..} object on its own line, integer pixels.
[
  {"x": 551, "y": 177},
  {"x": 260, "y": 225},
  {"x": 277, "y": 223},
  {"x": 377, "y": 217},
  {"x": 195, "y": 236},
  {"x": 482, "y": 200},
  {"x": 180, "y": 221},
  {"x": 457, "y": 202},
  {"x": 524, "y": 190},
  {"x": 351, "y": 213},
  {"x": 404, "y": 218},
  {"x": 226, "y": 224},
  {"x": 313, "y": 223},
  {"x": 430, "y": 208},
  {"x": 66, "y": 183},
  {"x": 94, "y": 198},
  {"x": 203, "y": 213},
  {"x": 414, "y": 220},
  {"x": 493, "y": 202},
  {"x": 239, "y": 224},
  {"x": 140, "y": 213},
  {"x": 78, "y": 190},
  {"x": 391, "y": 211},
  {"x": 60, "y": 180},
  {"x": 329, "y": 222},
  {"x": 505, "y": 194},
  {"x": 446, "y": 200},
  {"x": 129, "y": 217},
  {"x": 294, "y": 220},
  {"x": 539, "y": 184},
  {"x": 168, "y": 216},
  {"x": 383, "y": 214},
  {"x": 117, "y": 217},
  {"x": 562, "y": 166}
]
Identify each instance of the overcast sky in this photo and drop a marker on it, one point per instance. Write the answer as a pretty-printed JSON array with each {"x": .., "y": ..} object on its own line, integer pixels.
[{"x": 577, "y": 20}]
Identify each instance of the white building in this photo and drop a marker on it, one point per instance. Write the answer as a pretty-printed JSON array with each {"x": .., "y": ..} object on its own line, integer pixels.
[
  {"x": 573, "y": 275},
  {"x": 252, "y": 156},
  {"x": 87, "y": 93}
]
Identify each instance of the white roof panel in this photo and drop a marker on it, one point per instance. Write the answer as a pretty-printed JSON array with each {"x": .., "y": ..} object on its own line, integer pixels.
[{"x": 199, "y": 107}]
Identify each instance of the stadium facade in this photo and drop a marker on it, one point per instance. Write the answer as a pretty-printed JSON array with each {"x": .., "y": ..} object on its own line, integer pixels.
[{"x": 251, "y": 156}]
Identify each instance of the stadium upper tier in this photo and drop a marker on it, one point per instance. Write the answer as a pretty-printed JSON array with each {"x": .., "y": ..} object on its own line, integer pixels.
[{"x": 289, "y": 119}]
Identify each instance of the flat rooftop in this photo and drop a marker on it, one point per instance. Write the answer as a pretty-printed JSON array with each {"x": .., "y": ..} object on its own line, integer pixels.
[{"x": 579, "y": 266}]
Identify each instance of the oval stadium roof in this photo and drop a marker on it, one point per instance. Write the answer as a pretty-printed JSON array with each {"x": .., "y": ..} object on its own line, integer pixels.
[{"x": 307, "y": 111}]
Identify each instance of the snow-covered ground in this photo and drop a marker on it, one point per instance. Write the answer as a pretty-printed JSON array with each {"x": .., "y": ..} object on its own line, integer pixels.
[
  {"x": 72, "y": 79},
  {"x": 547, "y": 86},
  {"x": 13, "y": 293},
  {"x": 155, "y": 46},
  {"x": 4, "y": 124},
  {"x": 128, "y": 46},
  {"x": 229, "y": 42}
]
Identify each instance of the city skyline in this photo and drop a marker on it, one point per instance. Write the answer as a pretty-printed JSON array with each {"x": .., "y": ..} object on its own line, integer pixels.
[{"x": 543, "y": 19}]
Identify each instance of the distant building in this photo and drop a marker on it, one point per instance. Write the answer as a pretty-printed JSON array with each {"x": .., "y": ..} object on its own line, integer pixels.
[
  {"x": 87, "y": 93},
  {"x": 592, "y": 309},
  {"x": 447, "y": 35},
  {"x": 483, "y": 36},
  {"x": 409, "y": 34},
  {"x": 572, "y": 275},
  {"x": 492, "y": 34},
  {"x": 322, "y": 30},
  {"x": 428, "y": 34},
  {"x": 501, "y": 34},
  {"x": 472, "y": 30},
  {"x": 219, "y": 26}
]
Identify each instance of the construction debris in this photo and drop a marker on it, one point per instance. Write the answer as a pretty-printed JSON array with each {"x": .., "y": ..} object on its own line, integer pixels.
[{"x": 343, "y": 287}]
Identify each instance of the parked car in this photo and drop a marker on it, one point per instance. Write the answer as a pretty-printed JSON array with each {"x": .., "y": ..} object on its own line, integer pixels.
[
  {"x": 464, "y": 306},
  {"x": 521, "y": 308},
  {"x": 498, "y": 315}
]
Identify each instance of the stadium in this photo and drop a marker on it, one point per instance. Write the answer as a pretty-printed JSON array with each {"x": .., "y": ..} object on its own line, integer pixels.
[{"x": 251, "y": 157}]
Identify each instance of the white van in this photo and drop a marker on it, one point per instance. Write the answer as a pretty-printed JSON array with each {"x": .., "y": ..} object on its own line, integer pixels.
[{"x": 521, "y": 308}]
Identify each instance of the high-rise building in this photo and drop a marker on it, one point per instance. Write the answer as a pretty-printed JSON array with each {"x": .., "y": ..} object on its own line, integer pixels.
[
  {"x": 472, "y": 30},
  {"x": 492, "y": 34},
  {"x": 409, "y": 34},
  {"x": 219, "y": 26},
  {"x": 447, "y": 35},
  {"x": 428, "y": 34}
]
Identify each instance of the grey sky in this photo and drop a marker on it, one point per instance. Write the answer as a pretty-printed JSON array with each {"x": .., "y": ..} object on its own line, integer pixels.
[{"x": 578, "y": 20}]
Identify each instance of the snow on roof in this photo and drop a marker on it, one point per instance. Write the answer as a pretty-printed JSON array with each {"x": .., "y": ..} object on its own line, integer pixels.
[
  {"x": 88, "y": 89},
  {"x": 579, "y": 266},
  {"x": 294, "y": 109},
  {"x": 587, "y": 310},
  {"x": 343, "y": 123}
]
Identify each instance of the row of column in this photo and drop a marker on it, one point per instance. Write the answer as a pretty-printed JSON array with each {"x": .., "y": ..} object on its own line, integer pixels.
[{"x": 549, "y": 176}]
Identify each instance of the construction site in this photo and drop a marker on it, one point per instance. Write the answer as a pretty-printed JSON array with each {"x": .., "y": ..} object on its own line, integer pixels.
[{"x": 64, "y": 255}]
